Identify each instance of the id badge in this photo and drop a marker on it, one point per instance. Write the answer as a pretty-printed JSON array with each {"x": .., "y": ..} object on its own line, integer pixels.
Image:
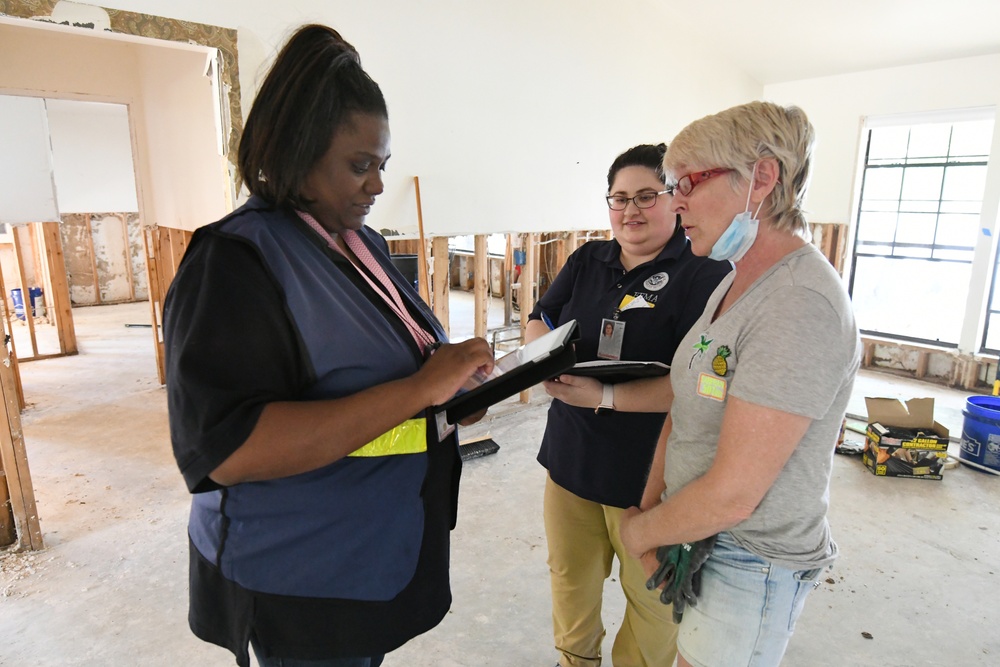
[
  {"x": 444, "y": 429},
  {"x": 609, "y": 343}
]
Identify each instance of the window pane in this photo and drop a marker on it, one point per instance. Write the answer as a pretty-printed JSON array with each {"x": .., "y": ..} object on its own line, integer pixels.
[
  {"x": 884, "y": 291},
  {"x": 462, "y": 243},
  {"x": 877, "y": 227},
  {"x": 958, "y": 230},
  {"x": 971, "y": 207},
  {"x": 888, "y": 143},
  {"x": 995, "y": 301},
  {"x": 916, "y": 228},
  {"x": 929, "y": 140},
  {"x": 993, "y": 334},
  {"x": 964, "y": 183},
  {"x": 972, "y": 138},
  {"x": 922, "y": 182},
  {"x": 883, "y": 183}
]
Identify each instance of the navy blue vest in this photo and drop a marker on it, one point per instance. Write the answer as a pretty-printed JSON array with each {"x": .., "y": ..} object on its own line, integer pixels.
[{"x": 352, "y": 529}]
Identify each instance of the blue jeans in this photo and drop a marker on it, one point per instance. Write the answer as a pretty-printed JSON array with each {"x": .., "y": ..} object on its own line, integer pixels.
[
  {"x": 747, "y": 609},
  {"x": 373, "y": 661}
]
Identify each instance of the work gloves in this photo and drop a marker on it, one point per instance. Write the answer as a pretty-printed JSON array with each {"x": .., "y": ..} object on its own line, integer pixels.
[{"x": 680, "y": 573}]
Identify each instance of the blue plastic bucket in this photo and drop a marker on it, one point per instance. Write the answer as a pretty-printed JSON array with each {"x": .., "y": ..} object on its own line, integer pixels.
[
  {"x": 981, "y": 434},
  {"x": 33, "y": 294},
  {"x": 17, "y": 296},
  {"x": 18, "y": 299}
]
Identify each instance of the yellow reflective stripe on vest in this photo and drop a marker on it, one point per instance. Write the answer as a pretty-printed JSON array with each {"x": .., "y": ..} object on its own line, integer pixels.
[{"x": 410, "y": 437}]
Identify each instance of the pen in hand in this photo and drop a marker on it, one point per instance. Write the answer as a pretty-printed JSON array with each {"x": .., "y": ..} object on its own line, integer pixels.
[{"x": 547, "y": 321}]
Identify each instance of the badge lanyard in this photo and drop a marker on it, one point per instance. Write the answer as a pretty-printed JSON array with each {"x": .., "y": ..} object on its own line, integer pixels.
[{"x": 390, "y": 294}]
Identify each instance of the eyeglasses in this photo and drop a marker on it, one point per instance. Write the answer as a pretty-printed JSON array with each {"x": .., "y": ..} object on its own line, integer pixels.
[
  {"x": 685, "y": 184},
  {"x": 641, "y": 200}
]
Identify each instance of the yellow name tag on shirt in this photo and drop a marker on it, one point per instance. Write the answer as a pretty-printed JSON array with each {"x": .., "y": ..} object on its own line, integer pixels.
[
  {"x": 630, "y": 302},
  {"x": 711, "y": 386}
]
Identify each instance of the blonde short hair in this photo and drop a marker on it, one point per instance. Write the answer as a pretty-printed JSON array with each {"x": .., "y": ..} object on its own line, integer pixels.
[{"x": 737, "y": 138}]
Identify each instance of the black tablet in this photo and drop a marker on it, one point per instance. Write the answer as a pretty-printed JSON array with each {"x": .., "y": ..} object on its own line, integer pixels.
[{"x": 543, "y": 358}]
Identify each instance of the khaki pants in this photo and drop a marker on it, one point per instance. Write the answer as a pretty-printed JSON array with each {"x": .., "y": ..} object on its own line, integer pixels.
[{"x": 583, "y": 540}]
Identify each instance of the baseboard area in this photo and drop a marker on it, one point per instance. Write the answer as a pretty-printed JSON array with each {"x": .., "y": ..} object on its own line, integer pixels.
[{"x": 932, "y": 364}]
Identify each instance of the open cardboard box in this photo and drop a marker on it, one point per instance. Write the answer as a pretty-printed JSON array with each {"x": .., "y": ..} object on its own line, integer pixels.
[{"x": 904, "y": 440}]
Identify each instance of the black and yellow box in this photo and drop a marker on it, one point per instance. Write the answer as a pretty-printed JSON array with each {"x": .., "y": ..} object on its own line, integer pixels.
[{"x": 904, "y": 440}]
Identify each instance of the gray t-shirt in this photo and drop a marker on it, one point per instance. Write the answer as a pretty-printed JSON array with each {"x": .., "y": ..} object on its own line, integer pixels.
[{"x": 789, "y": 343}]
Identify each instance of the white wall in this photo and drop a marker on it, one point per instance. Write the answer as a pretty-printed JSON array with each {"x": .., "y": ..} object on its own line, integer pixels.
[
  {"x": 26, "y": 186},
  {"x": 509, "y": 112},
  {"x": 178, "y": 129},
  {"x": 92, "y": 156}
]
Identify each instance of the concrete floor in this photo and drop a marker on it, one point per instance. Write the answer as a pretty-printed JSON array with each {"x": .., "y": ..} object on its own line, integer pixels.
[{"x": 919, "y": 569}]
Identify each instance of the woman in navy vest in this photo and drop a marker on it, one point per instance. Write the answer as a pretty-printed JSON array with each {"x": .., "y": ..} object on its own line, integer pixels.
[{"x": 299, "y": 377}]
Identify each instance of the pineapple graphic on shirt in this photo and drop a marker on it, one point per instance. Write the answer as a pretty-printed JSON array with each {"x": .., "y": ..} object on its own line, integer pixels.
[{"x": 719, "y": 363}]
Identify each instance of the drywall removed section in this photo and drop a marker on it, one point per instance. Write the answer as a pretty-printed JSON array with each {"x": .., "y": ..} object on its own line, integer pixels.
[
  {"x": 27, "y": 192},
  {"x": 92, "y": 156},
  {"x": 104, "y": 258}
]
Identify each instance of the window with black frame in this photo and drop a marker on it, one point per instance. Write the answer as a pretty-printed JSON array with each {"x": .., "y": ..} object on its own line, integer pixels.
[{"x": 918, "y": 224}]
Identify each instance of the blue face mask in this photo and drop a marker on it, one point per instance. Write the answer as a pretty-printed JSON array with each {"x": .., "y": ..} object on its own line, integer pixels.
[
  {"x": 741, "y": 232},
  {"x": 737, "y": 238}
]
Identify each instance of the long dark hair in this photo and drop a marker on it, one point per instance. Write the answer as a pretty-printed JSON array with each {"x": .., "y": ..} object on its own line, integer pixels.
[{"x": 314, "y": 85}]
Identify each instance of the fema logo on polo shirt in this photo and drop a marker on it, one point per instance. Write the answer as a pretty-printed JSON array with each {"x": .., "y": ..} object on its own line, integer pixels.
[{"x": 657, "y": 281}]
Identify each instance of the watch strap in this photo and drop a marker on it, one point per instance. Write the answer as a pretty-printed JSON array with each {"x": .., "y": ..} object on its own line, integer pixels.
[{"x": 607, "y": 403}]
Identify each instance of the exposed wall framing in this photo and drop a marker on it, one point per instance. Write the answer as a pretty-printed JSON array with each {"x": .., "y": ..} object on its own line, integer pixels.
[
  {"x": 18, "y": 514},
  {"x": 32, "y": 256},
  {"x": 164, "y": 248},
  {"x": 831, "y": 239},
  {"x": 923, "y": 362},
  {"x": 440, "y": 281}
]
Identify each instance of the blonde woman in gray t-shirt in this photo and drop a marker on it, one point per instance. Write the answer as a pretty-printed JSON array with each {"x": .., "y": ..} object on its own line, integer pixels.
[{"x": 757, "y": 392}]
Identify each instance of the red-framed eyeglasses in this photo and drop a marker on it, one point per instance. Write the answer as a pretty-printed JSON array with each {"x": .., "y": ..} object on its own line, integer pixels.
[{"x": 685, "y": 184}]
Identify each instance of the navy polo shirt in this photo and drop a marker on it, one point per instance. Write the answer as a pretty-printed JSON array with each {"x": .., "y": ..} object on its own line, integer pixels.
[{"x": 606, "y": 458}]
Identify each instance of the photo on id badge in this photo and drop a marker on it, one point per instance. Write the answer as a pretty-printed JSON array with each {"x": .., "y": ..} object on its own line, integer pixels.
[{"x": 609, "y": 343}]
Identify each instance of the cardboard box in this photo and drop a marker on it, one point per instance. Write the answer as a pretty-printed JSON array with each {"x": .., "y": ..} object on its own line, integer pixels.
[{"x": 904, "y": 440}]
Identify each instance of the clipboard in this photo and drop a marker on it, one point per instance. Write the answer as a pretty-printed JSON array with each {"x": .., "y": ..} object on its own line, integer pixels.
[
  {"x": 543, "y": 358},
  {"x": 611, "y": 371}
]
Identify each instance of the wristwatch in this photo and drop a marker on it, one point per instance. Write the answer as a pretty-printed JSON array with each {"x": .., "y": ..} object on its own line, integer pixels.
[{"x": 607, "y": 403}]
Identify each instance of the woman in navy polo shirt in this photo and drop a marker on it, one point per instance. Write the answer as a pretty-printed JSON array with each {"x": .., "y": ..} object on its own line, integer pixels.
[{"x": 634, "y": 297}]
